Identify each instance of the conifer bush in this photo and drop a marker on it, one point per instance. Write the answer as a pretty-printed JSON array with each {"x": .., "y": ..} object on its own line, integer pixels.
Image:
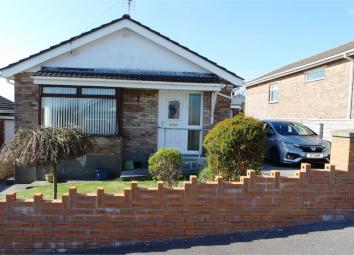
[
  {"x": 235, "y": 145},
  {"x": 166, "y": 165}
]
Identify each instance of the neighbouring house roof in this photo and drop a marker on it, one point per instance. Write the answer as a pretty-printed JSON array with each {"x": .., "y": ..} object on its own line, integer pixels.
[
  {"x": 191, "y": 77},
  {"x": 237, "y": 101},
  {"x": 310, "y": 62},
  {"x": 6, "y": 104},
  {"x": 222, "y": 71},
  {"x": 6, "y": 107}
]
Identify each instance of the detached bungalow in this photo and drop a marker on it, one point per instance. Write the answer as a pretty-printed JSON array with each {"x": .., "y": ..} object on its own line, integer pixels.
[{"x": 132, "y": 88}]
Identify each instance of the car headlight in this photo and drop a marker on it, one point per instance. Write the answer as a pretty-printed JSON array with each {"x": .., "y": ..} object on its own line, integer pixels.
[
  {"x": 325, "y": 144},
  {"x": 289, "y": 144}
]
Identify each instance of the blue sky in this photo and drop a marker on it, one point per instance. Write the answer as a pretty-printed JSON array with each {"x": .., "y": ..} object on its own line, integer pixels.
[{"x": 249, "y": 37}]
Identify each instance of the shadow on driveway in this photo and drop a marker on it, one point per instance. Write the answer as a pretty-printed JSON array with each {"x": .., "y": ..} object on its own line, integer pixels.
[{"x": 321, "y": 238}]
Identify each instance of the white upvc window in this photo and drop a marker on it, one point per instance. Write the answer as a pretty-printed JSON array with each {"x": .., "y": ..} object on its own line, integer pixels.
[
  {"x": 94, "y": 110},
  {"x": 315, "y": 74},
  {"x": 273, "y": 93}
]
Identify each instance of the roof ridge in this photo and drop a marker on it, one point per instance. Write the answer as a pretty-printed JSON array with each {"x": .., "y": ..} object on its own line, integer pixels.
[
  {"x": 291, "y": 65},
  {"x": 124, "y": 17}
]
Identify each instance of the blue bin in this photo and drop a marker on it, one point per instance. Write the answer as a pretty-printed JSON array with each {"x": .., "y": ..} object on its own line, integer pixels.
[{"x": 101, "y": 174}]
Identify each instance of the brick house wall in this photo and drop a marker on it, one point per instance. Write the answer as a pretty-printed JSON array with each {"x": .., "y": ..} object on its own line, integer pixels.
[
  {"x": 223, "y": 106},
  {"x": 26, "y": 101},
  {"x": 206, "y": 112},
  {"x": 138, "y": 124},
  {"x": 322, "y": 99},
  {"x": 2, "y": 132},
  {"x": 139, "y": 120},
  {"x": 139, "y": 116},
  {"x": 107, "y": 152},
  {"x": 256, "y": 202}
]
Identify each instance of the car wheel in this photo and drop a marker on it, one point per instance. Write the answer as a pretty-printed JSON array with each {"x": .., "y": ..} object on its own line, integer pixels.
[{"x": 275, "y": 156}]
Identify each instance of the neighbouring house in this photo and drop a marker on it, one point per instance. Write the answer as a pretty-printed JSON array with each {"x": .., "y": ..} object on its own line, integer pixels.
[
  {"x": 132, "y": 88},
  {"x": 7, "y": 120},
  {"x": 316, "y": 91},
  {"x": 237, "y": 101}
]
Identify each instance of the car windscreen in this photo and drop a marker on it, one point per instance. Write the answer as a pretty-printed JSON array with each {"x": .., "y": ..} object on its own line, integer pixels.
[{"x": 291, "y": 128}]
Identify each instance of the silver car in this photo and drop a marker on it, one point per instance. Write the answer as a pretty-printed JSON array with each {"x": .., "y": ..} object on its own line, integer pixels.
[{"x": 292, "y": 142}]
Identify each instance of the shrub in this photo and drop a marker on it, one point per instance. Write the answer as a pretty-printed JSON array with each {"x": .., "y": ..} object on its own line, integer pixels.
[
  {"x": 46, "y": 146},
  {"x": 205, "y": 175},
  {"x": 235, "y": 145},
  {"x": 165, "y": 165}
]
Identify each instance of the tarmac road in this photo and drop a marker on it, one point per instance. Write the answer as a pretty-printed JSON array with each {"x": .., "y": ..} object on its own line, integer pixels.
[{"x": 322, "y": 239}]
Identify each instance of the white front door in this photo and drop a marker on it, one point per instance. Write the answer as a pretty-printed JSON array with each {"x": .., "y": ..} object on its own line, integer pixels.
[{"x": 180, "y": 120}]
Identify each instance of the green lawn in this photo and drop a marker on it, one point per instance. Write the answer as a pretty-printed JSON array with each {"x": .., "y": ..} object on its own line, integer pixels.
[{"x": 115, "y": 186}]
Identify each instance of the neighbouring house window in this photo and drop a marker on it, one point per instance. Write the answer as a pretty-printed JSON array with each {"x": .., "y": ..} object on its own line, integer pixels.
[
  {"x": 273, "y": 93},
  {"x": 92, "y": 109},
  {"x": 314, "y": 75}
]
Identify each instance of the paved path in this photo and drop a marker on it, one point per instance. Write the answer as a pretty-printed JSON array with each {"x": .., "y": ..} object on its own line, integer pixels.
[
  {"x": 19, "y": 187},
  {"x": 322, "y": 239}
]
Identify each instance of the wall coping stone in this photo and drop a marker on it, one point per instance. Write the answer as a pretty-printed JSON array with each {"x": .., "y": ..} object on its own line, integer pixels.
[{"x": 349, "y": 133}]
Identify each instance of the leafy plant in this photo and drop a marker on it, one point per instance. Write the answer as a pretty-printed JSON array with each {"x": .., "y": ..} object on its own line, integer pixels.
[
  {"x": 46, "y": 146},
  {"x": 165, "y": 165},
  {"x": 206, "y": 174},
  {"x": 235, "y": 145}
]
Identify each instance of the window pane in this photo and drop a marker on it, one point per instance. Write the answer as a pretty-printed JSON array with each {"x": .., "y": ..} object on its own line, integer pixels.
[
  {"x": 59, "y": 90},
  {"x": 98, "y": 91},
  {"x": 173, "y": 110},
  {"x": 193, "y": 140},
  {"x": 316, "y": 74},
  {"x": 273, "y": 93},
  {"x": 194, "y": 109},
  {"x": 93, "y": 115}
]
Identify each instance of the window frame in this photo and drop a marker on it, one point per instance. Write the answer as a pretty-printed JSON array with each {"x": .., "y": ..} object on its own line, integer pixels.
[
  {"x": 312, "y": 71},
  {"x": 118, "y": 97},
  {"x": 270, "y": 100}
]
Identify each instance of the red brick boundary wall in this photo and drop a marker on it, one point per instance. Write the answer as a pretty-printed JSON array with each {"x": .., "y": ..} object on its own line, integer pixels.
[{"x": 196, "y": 209}]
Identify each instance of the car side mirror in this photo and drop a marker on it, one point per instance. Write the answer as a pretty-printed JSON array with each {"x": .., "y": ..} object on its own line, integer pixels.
[{"x": 269, "y": 133}]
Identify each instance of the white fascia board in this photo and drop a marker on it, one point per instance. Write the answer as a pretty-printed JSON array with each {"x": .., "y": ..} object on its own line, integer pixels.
[
  {"x": 8, "y": 72},
  {"x": 65, "y": 81},
  {"x": 300, "y": 68}
]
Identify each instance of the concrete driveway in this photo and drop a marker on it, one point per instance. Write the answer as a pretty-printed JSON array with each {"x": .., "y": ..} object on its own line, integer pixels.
[
  {"x": 322, "y": 239},
  {"x": 285, "y": 170}
]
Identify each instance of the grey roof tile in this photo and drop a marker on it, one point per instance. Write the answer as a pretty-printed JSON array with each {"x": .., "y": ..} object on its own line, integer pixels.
[
  {"x": 117, "y": 74},
  {"x": 325, "y": 54},
  {"x": 6, "y": 104}
]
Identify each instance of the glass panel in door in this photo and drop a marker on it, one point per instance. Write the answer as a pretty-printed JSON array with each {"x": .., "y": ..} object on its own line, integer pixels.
[
  {"x": 194, "y": 110},
  {"x": 194, "y": 120}
]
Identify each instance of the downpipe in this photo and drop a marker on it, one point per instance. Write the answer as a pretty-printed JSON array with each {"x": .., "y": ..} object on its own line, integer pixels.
[{"x": 350, "y": 87}]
